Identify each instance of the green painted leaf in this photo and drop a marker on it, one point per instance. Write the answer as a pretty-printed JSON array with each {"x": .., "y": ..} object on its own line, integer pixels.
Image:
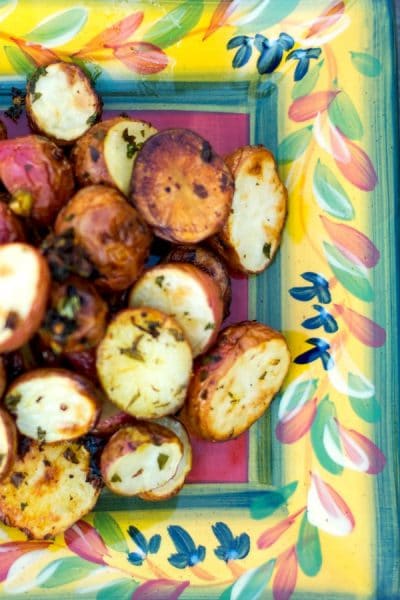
[
  {"x": 330, "y": 195},
  {"x": 308, "y": 83},
  {"x": 325, "y": 411},
  {"x": 21, "y": 63},
  {"x": 273, "y": 13},
  {"x": 363, "y": 400},
  {"x": 352, "y": 277},
  {"x": 267, "y": 503},
  {"x": 110, "y": 531},
  {"x": 118, "y": 590},
  {"x": 59, "y": 28},
  {"x": 65, "y": 570},
  {"x": 252, "y": 584},
  {"x": 226, "y": 594},
  {"x": 293, "y": 146},
  {"x": 175, "y": 24},
  {"x": 366, "y": 64},
  {"x": 344, "y": 115},
  {"x": 309, "y": 548}
]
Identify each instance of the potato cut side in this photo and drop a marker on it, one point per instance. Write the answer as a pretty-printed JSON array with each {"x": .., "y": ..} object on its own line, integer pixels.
[
  {"x": 139, "y": 458},
  {"x": 51, "y": 405},
  {"x": 8, "y": 443},
  {"x": 61, "y": 102},
  {"x": 186, "y": 293},
  {"x": 48, "y": 489},
  {"x": 251, "y": 236},
  {"x": 144, "y": 363},
  {"x": 174, "y": 485},
  {"x": 121, "y": 145},
  {"x": 181, "y": 186},
  {"x": 24, "y": 289},
  {"x": 236, "y": 382}
]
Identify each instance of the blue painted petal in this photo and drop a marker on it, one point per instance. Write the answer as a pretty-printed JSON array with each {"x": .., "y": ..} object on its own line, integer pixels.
[
  {"x": 237, "y": 41},
  {"x": 135, "y": 559},
  {"x": 315, "y": 278},
  {"x": 327, "y": 361},
  {"x": 261, "y": 42},
  {"x": 154, "y": 543},
  {"x": 242, "y": 56},
  {"x": 313, "y": 52},
  {"x": 242, "y": 545},
  {"x": 330, "y": 324},
  {"x": 308, "y": 356},
  {"x": 296, "y": 54},
  {"x": 286, "y": 41},
  {"x": 182, "y": 540},
  {"x": 138, "y": 538},
  {"x": 324, "y": 295},
  {"x": 301, "y": 69},
  {"x": 313, "y": 322},
  {"x": 179, "y": 560},
  {"x": 201, "y": 553},
  {"x": 232, "y": 554},
  {"x": 303, "y": 293},
  {"x": 319, "y": 343},
  {"x": 223, "y": 534},
  {"x": 221, "y": 553},
  {"x": 269, "y": 59}
]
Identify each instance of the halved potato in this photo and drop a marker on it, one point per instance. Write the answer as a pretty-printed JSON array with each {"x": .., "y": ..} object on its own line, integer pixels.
[
  {"x": 181, "y": 187},
  {"x": 187, "y": 294},
  {"x": 51, "y": 405},
  {"x": 140, "y": 457},
  {"x": 48, "y": 489},
  {"x": 175, "y": 484},
  {"x": 208, "y": 262},
  {"x": 61, "y": 102},
  {"x": 144, "y": 363},
  {"x": 251, "y": 235},
  {"x": 24, "y": 290},
  {"x": 235, "y": 382},
  {"x": 8, "y": 443}
]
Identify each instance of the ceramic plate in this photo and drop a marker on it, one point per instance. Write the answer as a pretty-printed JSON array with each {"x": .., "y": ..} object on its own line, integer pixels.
[{"x": 305, "y": 505}]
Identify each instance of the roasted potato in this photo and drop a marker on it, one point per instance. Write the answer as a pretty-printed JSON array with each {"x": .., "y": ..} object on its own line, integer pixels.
[
  {"x": 139, "y": 458},
  {"x": 187, "y": 294},
  {"x": 24, "y": 290},
  {"x": 181, "y": 187},
  {"x": 110, "y": 424},
  {"x": 251, "y": 236},
  {"x": 11, "y": 229},
  {"x": 61, "y": 102},
  {"x": 76, "y": 318},
  {"x": 8, "y": 443},
  {"x": 37, "y": 175},
  {"x": 100, "y": 226},
  {"x": 234, "y": 383},
  {"x": 51, "y": 405},
  {"x": 48, "y": 490},
  {"x": 208, "y": 262},
  {"x": 144, "y": 363},
  {"x": 175, "y": 484},
  {"x": 106, "y": 153}
]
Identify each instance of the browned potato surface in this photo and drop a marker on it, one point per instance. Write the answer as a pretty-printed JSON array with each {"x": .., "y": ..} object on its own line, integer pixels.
[
  {"x": 24, "y": 290},
  {"x": 181, "y": 187},
  {"x": 61, "y": 102},
  {"x": 208, "y": 262},
  {"x": 140, "y": 457},
  {"x": 109, "y": 232},
  {"x": 251, "y": 235},
  {"x": 51, "y": 405},
  {"x": 11, "y": 229},
  {"x": 234, "y": 383},
  {"x": 8, "y": 443},
  {"x": 48, "y": 489}
]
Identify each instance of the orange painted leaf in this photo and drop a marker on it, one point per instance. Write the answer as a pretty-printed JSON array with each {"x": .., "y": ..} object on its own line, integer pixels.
[
  {"x": 360, "y": 450},
  {"x": 285, "y": 578},
  {"x": 220, "y": 16},
  {"x": 271, "y": 535},
  {"x": 40, "y": 55},
  {"x": 354, "y": 244},
  {"x": 116, "y": 34},
  {"x": 307, "y": 107},
  {"x": 366, "y": 331},
  {"x": 358, "y": 169},
  {"x": 142, "y": 57},
  {"x": 291, "y": 429},
  {"x": 326, "y": 19}
]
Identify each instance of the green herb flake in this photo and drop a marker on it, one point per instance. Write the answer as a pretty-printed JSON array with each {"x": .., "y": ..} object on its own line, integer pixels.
[
  {"x": 209, "y": 326},
  {"x": 23, "y": 505},
  {"x": 70, "y": 455},
  {"x": 36, "y": 96},
  {"x": 12, "y": 401},
  {"x": 2, "y": 457},
  {"x": 116, "y": 478},
  {"x": 69, "y": 217},
  {"x": 159, "y": 280},
  {"x": 134, "y": 352},
  {"x": 40, "y": 434},
  {"x": 262, "y": 376},
  {"x": 162, "y": 460},
  {"x": 69, "y": 306},
  {"x": 132, "y": 147},
  {"x": 267, "y": 250},
  {"x": 92, "y": 119},
  {"x": 133, "y": 400},
  {"x": 40, "y": 72},
  {"x": 211, "y": 359},
  {"x": 177, "y": 335}
]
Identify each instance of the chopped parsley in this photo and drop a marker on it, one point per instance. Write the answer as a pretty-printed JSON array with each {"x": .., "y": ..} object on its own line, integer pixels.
[
  {"x": 267, "y": 250},
  {"x": 162, "y": 460},
  {"x": 132, "y": 147},
  {"x": 116, "y": 478}
]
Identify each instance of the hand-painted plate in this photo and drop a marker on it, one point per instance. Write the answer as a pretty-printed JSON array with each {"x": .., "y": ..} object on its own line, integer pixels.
[{"x": 306, "y": 504}]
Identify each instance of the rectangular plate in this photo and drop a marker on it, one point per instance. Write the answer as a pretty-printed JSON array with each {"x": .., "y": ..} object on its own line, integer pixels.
[{"x": 307, "y": 502}]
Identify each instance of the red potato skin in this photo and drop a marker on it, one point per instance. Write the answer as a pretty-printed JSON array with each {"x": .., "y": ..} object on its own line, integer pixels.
[
  {"x": 11, "y": 431},
  {"x": 111, "y": 232},
  {"x": 11, "y": 229},
  {"x": 109, "y": 425},
  {"x": 38, "y": 176},
  {"x": 84, "y": 363},
  {"x": 28, "y": 327}
]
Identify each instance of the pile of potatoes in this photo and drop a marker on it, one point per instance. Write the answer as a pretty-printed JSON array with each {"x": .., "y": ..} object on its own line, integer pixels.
[{"x": 107, "y": 363}]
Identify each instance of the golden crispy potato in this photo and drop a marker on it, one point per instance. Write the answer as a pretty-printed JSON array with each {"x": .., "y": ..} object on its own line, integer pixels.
[
  {"x": 51, "y": 405},
  {"x": 234, "y": 383},
  {"x": 24, "y": 290},
  {"x": 8, "y": 443},
  {"x": 144, "y": 363},
  {"x": 106, "y": 153},
  {"x": 210, "y": 263},
  {"x": 109, "y": 232},
  {"x": 11, "y": 229},
  {"x": 251, "y": 235},
  {"x": 187, "y": 294},
  {"x": 48, "y": 490},
  {"x": 139, "y": 458},
  {"x": 37, "y": 175},
  {"x": 181, "y": 187},
  {"x": 61, "y": 102}
]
